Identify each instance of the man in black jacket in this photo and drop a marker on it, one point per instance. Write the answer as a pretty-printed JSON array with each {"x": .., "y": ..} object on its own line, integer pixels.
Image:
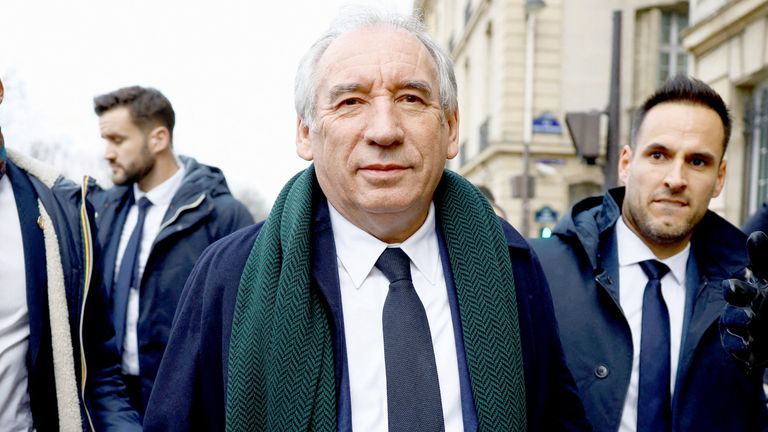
[
  {"x": 636, "y": 278},
  {"x": 58, "y": 365},
  {"x": 154, "y": 224}
]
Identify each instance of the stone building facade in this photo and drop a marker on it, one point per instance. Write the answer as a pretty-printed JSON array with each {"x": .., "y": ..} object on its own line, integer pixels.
[{"x": 721, "y": 42}]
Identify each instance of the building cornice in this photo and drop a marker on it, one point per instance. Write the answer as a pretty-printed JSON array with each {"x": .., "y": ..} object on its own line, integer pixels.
[
  {"x": 721, "y": 25},
  {"x": 513, "y": 149}
]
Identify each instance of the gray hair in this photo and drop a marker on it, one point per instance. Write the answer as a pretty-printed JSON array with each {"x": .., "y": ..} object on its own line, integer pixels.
[{"x": 305, "y": 89}]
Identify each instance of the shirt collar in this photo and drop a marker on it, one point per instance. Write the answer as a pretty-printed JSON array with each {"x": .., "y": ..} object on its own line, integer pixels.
[
  {"x": 162, "y": 194},
  {"x": 633, "y": 250},
  {"x": 358, "y": 251}
]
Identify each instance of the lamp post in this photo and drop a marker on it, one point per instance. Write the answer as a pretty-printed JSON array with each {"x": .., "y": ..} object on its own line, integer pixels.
[{"x": 531, "y": 9}]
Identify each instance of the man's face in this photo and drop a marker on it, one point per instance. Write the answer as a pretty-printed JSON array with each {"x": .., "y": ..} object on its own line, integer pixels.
[
  {"x": 127, "y": 151},
  {"x": 381, "y": 138},
  {"x": 674, "y": 171}
]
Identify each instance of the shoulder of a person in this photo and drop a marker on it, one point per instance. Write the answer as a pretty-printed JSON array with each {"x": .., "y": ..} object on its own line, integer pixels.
[
  {"x": 102, "y": 198},
  {"x": 234, "y": 245},
  {"x": 514, "y": 239},
  {"x": 229, "y": 254},
  {"x": 217, "y": 272},
  {"x": 228, "y": 203}
]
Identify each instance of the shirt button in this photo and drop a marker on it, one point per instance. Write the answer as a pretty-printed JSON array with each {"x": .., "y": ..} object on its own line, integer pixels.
[{"x": 601, "y": 371}]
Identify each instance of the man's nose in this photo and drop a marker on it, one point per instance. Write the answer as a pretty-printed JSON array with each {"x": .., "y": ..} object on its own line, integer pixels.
[
  {"x": 109, "y": 152},
  {"x": 384, "y": 126},
  {"x": 676, "y": 178}
]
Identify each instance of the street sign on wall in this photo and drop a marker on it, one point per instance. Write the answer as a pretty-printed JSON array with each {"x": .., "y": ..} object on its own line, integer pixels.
[{"x": 547, "y": 123}]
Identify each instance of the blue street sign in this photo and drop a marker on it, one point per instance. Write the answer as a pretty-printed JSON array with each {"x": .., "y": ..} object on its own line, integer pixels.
[
  {"x": 545, "y": 215},
  {"x": 547, "y": 123}
]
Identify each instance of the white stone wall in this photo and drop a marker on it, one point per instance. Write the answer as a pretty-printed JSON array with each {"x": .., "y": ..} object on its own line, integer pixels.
[{"x": 729, "y": 46}]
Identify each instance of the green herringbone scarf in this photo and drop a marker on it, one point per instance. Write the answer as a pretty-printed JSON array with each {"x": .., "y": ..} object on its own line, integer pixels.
[{"x": 281, "y": 366}]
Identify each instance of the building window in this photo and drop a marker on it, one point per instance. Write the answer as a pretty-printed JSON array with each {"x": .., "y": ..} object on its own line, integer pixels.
[
  {"x": 484, "y": 142},
  {"x": 756, "y": 129},
  {"x": 673, "y": 59}
]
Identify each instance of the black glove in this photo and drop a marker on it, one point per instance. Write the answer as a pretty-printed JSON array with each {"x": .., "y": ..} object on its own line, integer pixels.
[{"x": 744, "y": 323}]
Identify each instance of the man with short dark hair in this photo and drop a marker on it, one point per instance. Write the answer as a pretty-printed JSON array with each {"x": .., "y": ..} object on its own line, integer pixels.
[
  {"x": 636, "y": 278},
  {"x": 59, "y": 369},
  {"x": 154, "y": 224},
  {"x": 382, "y": 293}
]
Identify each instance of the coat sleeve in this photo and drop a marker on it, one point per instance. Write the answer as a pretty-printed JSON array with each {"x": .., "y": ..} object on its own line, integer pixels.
[
  {"x": 552, "y": 396},
  {"x": 190, "y": 387},
  {"x": 106, "y": 398},
  {"x": 176, "y": 399},
  {"x": 231, "y": 215}
]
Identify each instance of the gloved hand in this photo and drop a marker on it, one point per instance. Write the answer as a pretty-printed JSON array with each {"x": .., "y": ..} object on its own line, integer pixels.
[{"x": 744, "y": 322}]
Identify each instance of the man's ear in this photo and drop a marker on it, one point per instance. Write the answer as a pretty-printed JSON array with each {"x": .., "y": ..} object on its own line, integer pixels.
[
  {"x": 720, "y": 182},
  {"x": 624, "y": 161},
  {"x": 159, "y": 139},
  {"x": 453, "y": 134},
  {"x": 303, "y": 140}
]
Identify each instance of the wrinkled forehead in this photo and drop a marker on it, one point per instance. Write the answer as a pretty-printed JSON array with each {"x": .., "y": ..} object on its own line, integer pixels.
[{"x": 363, "y": 51}]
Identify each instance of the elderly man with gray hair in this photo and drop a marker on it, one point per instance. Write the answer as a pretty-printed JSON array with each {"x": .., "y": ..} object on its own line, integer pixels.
[{"x": 382, "y": 292}]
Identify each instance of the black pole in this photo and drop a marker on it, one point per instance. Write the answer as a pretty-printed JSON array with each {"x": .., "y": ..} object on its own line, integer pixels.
[{"x": 614, "y": 108}]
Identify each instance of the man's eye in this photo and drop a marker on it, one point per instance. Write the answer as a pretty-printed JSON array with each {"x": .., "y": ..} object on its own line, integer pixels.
[
  {"x": 657, "y": 155},
  {"x": 349, "y": 102},
  {"x": 412, "y": 99},
  {"x": 698, "y": 162}
]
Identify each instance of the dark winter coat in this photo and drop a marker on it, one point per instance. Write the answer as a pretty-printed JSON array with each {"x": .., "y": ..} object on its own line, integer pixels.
[
  {"x": 190, "y": 390},
  {"x": 202, "y": 211},
  {"x": 72, "y": 356},
  {"x": 712, "y": 392}
]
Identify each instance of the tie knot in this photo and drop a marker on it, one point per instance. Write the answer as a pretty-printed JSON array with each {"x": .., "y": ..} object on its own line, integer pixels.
[
  {"x": 143, "y": 204},
  {"x": 655, "y": 270},
  {"x": 395, "y": 264}
]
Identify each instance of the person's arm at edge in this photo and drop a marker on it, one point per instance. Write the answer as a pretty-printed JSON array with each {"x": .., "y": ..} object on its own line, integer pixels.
[
  {"x": 185, "y": 398},
  {"x": 175, "y": 402},
  {"x": 106, "y": 397},
  {"x": 562, "y": 407}
]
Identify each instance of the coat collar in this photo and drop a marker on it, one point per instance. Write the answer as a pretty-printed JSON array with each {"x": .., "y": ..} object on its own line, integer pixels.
[{"x": 719, "y": 247}]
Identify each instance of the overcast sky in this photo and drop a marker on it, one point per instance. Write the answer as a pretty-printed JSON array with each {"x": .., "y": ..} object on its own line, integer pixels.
[{"x": 226, "y": 65}]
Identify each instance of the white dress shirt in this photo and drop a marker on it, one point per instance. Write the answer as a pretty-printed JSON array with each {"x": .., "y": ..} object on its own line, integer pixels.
[
  {"x": 160, "y": 196},
  {"x": 632, "y": 281},
  {"x": 363, "y": 292},
  {"x": 15, "y": 412}
]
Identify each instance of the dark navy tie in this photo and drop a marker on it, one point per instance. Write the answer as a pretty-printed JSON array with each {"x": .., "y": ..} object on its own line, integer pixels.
[
  {"x": 127, "y": 277},
  {"x": 654, "y": 407},
  {"x": 413, "y": 390}
]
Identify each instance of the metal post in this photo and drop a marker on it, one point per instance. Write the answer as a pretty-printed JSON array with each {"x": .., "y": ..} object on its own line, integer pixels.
[
  {"x": 528, "y": 119},
  {"x": 614, "y": 108}
]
